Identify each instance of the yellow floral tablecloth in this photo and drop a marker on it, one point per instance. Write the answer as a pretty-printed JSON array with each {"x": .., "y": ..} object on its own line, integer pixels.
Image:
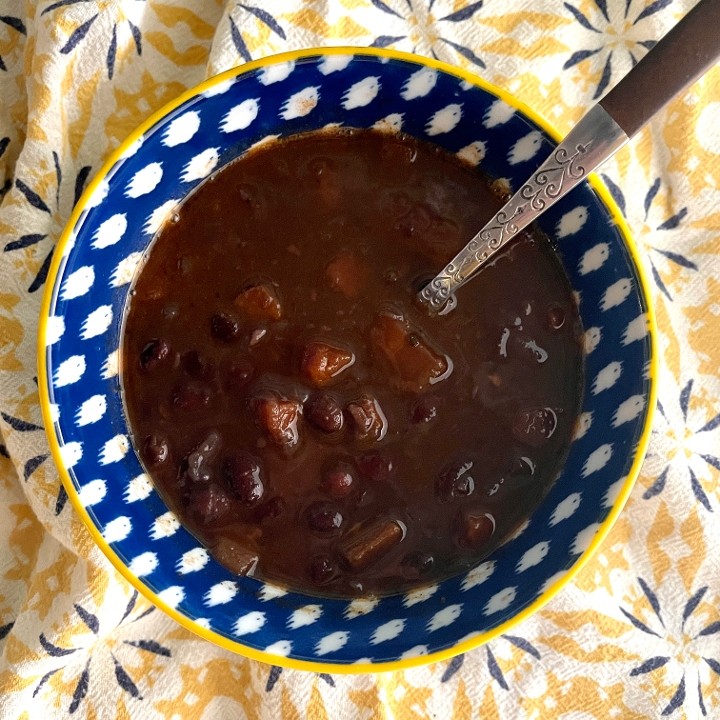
[{"x": 637, "y": 635}]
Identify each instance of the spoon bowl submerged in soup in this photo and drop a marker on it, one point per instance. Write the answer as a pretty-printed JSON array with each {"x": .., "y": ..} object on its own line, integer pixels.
[{"x": 303, "y": 418}]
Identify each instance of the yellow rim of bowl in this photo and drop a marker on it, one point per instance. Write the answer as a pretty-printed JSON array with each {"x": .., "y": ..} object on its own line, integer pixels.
[{"x": 221, "y": 640}]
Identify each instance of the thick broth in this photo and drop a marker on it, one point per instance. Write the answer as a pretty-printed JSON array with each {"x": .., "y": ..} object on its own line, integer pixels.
[{"x": 301, "y": 415}]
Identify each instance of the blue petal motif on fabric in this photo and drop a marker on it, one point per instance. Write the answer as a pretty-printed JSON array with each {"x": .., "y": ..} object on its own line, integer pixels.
[
  {"x": 579, "y": 56},
  {"x": 88, "y": 618},
  {"x": 77, "y": 35},
  {"x": 14, "y": 22},
  {"x": 42, "y": 273},
  {"x": 685, "y": 394},
  {"x": 380, "y": 5},
  {"x": 495, "y": 671},
  {"x": 54, "y": 650},
  {"x": 616, "y": 192},
  {"x": 639, "y": 624},
  {"x": 151, "y": 646},
  {"x": 677, "y": 699},
  {"x": 80, "y": 689},
  {"x": 20, "y": 425},
  {"x": 692, "y": 603},
  {"x": 32, "y": 197},
  {"x": 649, "y": 665},
  {"x": 658, "y": 486},
  {"x": 238, "y": 41},
  {"x": 651, "y": 9},
  {"x": 33, "y": 464},
  {"x": 386, "y": 40},
  {"x": 650, "y": 196},
  {"x": 452, "y": 667},
  {"x": 580, "y": 17},
  {"x": 523, "y": 644},
  {"x": 464, "y": 13},
  {"x": 672, "y": 222},
  {"x": 266, "y": 18},
  {"x": 124, "y": 680},
  {"x": 273, "y": 676}
]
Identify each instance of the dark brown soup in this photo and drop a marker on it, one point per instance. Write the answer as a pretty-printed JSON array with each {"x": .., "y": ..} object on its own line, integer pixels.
[{"x": 300, "y": 414}]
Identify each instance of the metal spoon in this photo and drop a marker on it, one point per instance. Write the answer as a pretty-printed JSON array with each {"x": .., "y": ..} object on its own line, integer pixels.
[{"x": 685, "y": 53}]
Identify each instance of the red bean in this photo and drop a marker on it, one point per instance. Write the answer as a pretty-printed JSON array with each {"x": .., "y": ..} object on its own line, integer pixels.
[
  {"x": 155, "y": 450},
  {"x": 417, "y": 564},
  {"x": 322, "y": 569},
  {"x": 224, "y": 327},
  {"x": 190, "y": 396},
  {"x": 475, "y": 528},
  {"x": 455, "y": 481},
  {"x": 423, "y": 410},
  {"x": 153, "y": 354},
  {"x": 556, "y": 317},
  {"x": 271, "y": 509},
  {"x": 535, "y": 425},
  {"x": 208, "y": 503},
  {"x": 197, "y": 366},
  {"x": 239, "y": 374},
  {"x": 377, "y": 466},
  {"x": 338, "y": 482},
  {"x": 243, "y": 474},
  {"x": 324, "y": 517},
  {"x": 324, "y": 412}
]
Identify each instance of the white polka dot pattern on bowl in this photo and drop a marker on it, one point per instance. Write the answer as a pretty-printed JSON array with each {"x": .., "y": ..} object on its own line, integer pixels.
[{"x": 82, "y": 335}]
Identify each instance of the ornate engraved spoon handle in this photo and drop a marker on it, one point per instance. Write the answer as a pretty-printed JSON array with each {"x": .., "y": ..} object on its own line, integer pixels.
[
  {"x": 685, "y": 53},
  {"x": 594, "y": 139}
]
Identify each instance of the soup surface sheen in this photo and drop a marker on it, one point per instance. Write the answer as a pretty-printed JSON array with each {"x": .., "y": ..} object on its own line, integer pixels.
[{"x": 300, "y": 414}]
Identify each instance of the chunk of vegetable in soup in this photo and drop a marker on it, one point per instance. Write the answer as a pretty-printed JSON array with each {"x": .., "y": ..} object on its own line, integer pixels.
[{"x": 304, "y": 418}]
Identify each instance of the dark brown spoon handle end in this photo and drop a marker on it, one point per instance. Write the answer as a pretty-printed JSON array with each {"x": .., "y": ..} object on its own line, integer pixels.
[{"x": 684, "y": 54}]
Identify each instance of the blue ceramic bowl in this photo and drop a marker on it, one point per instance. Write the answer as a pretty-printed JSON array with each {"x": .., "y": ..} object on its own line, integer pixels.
[{"x": 110, "y": 229}]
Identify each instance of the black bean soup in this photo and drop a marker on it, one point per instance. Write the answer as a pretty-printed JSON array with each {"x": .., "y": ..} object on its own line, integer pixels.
[{"x": 303, "y": 417}]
